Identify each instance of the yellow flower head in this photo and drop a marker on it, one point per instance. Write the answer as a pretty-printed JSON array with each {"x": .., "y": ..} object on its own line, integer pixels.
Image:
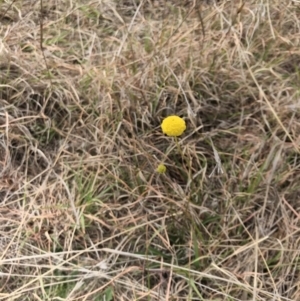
[
  {"x": 161, "y": 168},
  {"x": 173, "y": 126}
]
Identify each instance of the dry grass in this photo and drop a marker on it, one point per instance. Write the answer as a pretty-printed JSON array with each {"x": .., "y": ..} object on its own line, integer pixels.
[{"x": 84, "y": 215}]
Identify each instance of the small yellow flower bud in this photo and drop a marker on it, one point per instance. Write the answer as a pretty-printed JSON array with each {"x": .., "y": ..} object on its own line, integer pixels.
[{"x": 161, "y": 168}]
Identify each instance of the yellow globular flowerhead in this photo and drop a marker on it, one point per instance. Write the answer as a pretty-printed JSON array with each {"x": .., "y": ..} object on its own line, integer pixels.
[
  {"x": 161, "y": 168},
  {"x": 173, "y": 126}
]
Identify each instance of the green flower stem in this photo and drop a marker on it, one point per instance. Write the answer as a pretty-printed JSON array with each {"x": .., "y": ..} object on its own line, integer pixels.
[{"x": 178, "y": 146}]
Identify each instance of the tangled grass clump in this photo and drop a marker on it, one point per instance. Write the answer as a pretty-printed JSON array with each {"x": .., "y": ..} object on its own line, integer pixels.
[{"x": 84, "y": 211}]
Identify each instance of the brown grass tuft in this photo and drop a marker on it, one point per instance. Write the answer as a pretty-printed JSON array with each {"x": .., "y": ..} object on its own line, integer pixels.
[{"x": 84, "y": 215}]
